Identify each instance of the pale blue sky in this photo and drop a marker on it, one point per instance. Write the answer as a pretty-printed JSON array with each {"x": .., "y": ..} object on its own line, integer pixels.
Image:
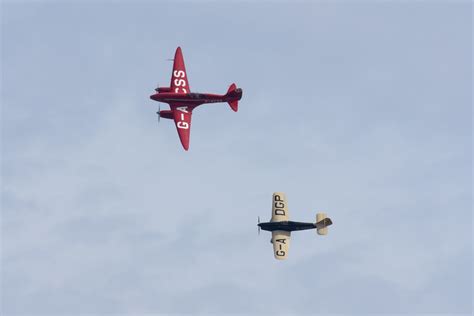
[{"x": 362, "y": 110}]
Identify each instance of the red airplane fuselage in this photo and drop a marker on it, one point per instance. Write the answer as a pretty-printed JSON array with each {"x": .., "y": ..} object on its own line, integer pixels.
[{"x": 194, "y": 99}]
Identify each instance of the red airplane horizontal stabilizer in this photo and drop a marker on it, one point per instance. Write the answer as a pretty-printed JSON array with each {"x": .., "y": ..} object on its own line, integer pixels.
[{"x": 234, "y": 104}]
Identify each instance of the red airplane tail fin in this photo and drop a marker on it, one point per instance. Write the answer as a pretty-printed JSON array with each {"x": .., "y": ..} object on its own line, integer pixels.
[{"x": 236, "y": 94}]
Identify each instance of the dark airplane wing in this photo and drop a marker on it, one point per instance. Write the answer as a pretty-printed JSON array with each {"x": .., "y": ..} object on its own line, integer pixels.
[
  {"x": 281, "y": 243},
  {"x": 279, "y": 207}
]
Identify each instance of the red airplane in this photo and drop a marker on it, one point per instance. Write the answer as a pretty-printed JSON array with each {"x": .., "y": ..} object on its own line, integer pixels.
[{"x": 182, "y": 101}]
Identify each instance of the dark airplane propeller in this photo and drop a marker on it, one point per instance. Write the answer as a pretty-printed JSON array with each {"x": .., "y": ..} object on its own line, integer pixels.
[{"x": 258, "y": 220}]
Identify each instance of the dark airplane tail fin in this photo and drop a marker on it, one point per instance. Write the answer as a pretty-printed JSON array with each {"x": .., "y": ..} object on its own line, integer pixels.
[{"x": 235, "y": 94}]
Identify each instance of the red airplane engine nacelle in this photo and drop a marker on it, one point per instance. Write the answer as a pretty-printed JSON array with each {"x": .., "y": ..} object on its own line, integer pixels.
[
  {"x": 163, "y": 89},
  {"x": 167, "y": 114}
]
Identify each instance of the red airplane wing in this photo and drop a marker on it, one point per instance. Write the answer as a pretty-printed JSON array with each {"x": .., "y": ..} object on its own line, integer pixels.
[
  {"x": 182, "y": 119},
  {"x": 179, "y": 78}
]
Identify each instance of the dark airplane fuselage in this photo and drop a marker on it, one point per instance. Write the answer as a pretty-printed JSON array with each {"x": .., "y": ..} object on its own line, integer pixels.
[{"x": 286, "y": 226}]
